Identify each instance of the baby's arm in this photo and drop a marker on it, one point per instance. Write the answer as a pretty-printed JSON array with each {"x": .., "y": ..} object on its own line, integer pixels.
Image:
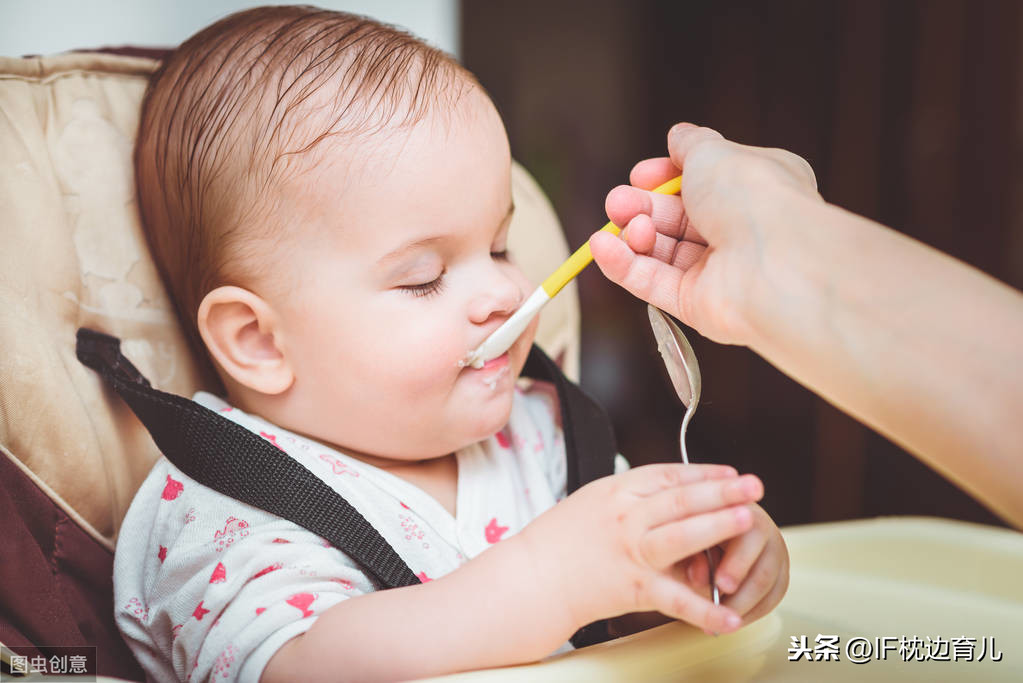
[
  {"x": 610, "y": 548},
  {"x": 491, "y": 611}
]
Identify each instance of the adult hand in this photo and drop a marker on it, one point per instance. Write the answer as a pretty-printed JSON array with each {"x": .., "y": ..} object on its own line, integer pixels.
[
  {"x": 698, "y": 256},
  {"x": 919, "y": 346}
]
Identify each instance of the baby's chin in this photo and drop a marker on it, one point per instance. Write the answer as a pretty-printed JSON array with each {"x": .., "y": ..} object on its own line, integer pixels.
[{"x": 489, "y": 418}]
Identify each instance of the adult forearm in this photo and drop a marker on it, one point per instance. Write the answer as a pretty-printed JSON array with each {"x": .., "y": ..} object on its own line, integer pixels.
[
  {"x": 921, "y": 347},
  {"x": 491, "y": 611}
]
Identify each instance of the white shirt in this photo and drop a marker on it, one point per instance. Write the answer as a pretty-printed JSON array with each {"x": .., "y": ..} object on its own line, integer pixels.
[{"x": 208, "y": 587}]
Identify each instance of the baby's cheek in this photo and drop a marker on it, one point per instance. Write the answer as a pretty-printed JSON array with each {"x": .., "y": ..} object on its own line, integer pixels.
[{"x": 426, "y": 362}]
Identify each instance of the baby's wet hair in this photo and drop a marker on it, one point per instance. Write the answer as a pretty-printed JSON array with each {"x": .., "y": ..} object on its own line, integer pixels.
[{"x": 250, "y": 102}]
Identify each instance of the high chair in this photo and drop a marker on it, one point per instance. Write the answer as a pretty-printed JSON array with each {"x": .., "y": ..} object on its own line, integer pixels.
[{"x": 71, "y": 453}]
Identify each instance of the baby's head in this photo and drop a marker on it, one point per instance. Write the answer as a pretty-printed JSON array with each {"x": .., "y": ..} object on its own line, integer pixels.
[{"x": 328, "y": 200}]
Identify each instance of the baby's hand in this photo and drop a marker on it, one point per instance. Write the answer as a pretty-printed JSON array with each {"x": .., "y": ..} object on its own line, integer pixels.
[
  {"x": 754, "y": 570},
  {"x": 615, "y": 545}
]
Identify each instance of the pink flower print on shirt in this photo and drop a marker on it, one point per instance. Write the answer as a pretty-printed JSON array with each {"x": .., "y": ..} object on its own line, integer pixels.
[
  {"x": 412, "y": 530},
  {"x": 190, "y": 516},
  {"x": 233, "y": 528},
  {"x": 280, "y": 540},
  {"x": 260, "y": 610},
  {"x": 219, "y": 574},
  {"x": 302, "y": 602},
  {"x": 266, "y": 570},
  {"x": 172, "y": 489},
  {"x": 272, "y": 438},
  {"x": 175, "y": 631},
  {"x": 223, "y": 663},
  {"x": 493, "y": 532},
  {"x": 337, "y": 465},
  {"x": 344, "y": 583},
  {"x": 404, "y": 506},
  {"x": 538, "y": 444},
  {"x": 226, "y": 410},
  {"x": 502, "y": 439},
  {"x": 200, "y": 611},
  {"x": 162, "y": 553},
  {"x": 423, "y": 577},
  {"x": 140, "y": 611}
]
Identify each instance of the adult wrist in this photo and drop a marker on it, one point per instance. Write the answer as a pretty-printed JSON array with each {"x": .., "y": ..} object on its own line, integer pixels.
[{"x": 789, "y": 288}]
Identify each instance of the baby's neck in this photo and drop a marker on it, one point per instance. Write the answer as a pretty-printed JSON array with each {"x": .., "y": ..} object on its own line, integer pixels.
[{"x": 276, "y": 410}]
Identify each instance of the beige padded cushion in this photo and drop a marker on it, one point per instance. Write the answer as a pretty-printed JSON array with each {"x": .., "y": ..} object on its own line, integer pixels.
[{"x": 72, "y": 254}]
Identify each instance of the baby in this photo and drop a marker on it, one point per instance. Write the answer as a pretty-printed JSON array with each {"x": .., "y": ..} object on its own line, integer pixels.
[{"x": 328, "y": 201}]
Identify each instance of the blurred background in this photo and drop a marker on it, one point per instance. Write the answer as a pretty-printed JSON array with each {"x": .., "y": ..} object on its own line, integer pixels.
[{"x": 909, "y": 112}]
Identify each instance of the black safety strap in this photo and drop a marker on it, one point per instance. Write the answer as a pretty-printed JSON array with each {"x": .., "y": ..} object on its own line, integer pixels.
[
  {"x": 228, "y": 458},
  {"x": 589, "y": 439}
]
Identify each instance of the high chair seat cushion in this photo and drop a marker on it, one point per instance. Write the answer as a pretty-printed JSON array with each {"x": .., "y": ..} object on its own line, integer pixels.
[{"x": 73, "y": 255}]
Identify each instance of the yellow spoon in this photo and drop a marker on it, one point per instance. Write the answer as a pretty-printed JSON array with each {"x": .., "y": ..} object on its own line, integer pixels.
[{"x": 505, "y": 335}]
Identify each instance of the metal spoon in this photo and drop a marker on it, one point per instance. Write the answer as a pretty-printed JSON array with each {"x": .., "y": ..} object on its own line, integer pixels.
[{"x": 684, "y": 371}]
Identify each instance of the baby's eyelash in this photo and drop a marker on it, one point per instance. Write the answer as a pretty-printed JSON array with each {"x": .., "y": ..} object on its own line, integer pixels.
[{"x": 426, "y": 289}]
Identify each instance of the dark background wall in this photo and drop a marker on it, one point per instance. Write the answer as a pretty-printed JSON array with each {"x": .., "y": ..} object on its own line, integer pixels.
[{"x": 909, "y": 112}]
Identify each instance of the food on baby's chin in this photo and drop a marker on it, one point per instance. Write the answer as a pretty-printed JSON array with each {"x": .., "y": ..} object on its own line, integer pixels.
[{"x": 493, "y": 380}]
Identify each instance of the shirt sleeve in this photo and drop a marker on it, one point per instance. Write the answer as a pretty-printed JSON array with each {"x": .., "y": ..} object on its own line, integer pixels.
[{"x": 214, "y": 587}]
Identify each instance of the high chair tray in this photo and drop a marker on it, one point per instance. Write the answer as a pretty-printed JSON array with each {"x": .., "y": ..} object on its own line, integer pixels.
[{"x": 905, "y": 579}]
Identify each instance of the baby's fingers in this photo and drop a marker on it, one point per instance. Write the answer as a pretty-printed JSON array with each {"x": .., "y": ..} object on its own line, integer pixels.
[
  {"x": 767, "y": 581},
  {"x": 669, "y": 543},
  {"x": 739, "y": 557},
  {"x": 647, "y": 480},
  {"x": 676, "y": 600},
  {"x": 696, "y": 498}
]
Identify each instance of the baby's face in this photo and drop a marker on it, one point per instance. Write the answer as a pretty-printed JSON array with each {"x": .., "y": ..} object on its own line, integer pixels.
[{"x": 400, "y": 270}]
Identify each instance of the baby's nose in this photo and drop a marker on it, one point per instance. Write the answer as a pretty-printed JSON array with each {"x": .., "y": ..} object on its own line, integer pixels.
[{"x": 500, "y": 296}]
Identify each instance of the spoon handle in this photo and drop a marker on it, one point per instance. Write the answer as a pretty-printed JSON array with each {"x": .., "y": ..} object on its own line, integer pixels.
[{"x": 711, "y": 568}]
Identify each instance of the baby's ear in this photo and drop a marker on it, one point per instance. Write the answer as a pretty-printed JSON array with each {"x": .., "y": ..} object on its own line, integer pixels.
[{"x": 242, "y": 334}]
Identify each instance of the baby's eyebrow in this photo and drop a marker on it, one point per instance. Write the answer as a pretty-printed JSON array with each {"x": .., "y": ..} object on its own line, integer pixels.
[{"x": 396, "y": 254}]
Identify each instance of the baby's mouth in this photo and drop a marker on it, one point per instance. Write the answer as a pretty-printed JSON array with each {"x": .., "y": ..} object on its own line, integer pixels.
[{"x": 491, "y": 365}]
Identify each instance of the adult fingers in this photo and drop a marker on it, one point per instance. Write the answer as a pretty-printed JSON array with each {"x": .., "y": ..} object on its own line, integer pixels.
[
  {"x": 683, "y": 137},
  {"x": 625, "y": 202},
  {"x": 642, "y": 276},
  {"x": 643, "y": 238},
  {"x": 676, "y": 600},
  {"x": 704, "y": 496},
  {"x": 651, "y": 173},
  {"x": 667, "y": 544}
]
